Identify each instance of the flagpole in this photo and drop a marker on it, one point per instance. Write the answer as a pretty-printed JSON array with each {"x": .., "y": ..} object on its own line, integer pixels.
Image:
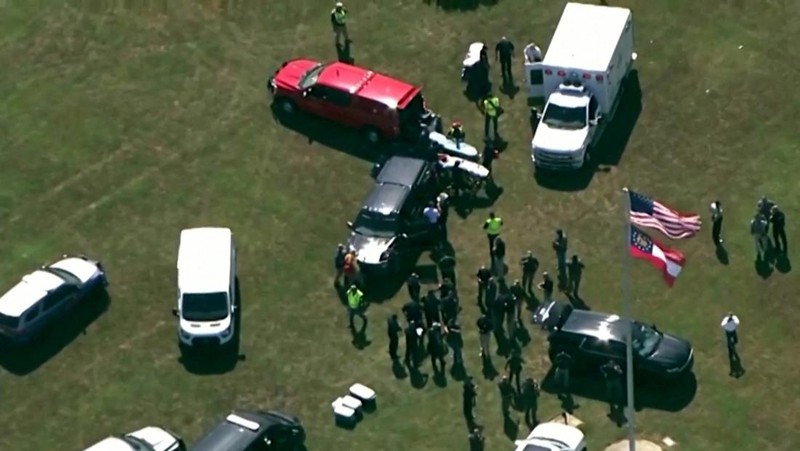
[{"x": 626, "y": 313}]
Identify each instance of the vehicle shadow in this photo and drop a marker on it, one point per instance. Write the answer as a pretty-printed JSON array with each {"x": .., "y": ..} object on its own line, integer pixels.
[
  {"x": 379, "y": 289},
  {"x": 317, "y": 130},
  {"x": 672, "y": 396},
  {"x": 25, "y": 359},
  {"x": 218, "y": 361},
  {"x": 609, "y": 149},
  {"x": 461, "y": 5}
]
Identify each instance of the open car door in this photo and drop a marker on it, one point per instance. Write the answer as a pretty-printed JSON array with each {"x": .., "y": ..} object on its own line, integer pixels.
[{"x": 551, "y": 315}]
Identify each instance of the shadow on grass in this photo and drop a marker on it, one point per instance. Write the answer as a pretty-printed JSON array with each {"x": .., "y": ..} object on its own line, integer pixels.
[
  {"x": 722, "y": 255},
  {"x": 221, "y": 360},
  {"x": 462, "y": 5},
  {"x": 344, "y": 54},
  {"x": 22, "y": 359},
  {"x": 318, "y": 130},
  {"x": 608, "y": 151},
  {"x": 783, "y": 264},
  {"x": 668, "y": 396}
]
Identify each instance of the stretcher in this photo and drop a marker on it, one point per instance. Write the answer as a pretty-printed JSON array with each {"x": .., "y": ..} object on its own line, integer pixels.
[
  {"x": 450, "y": 147},
  {"x": 470, "y": 167}
]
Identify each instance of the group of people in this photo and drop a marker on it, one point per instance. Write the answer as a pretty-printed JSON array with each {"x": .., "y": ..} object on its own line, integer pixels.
[{"x": 767, "y": 215}]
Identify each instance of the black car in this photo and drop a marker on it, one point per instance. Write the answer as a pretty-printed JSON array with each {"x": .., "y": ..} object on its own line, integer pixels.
[
  {"x": 245, "y": 430},
  {"x": 593, "y": 338},
  {"x": 390, "y": 222}
]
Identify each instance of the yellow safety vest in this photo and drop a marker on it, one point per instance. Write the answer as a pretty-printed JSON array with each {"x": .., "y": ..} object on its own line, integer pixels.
[
  {"x": 493, "y": 226},
  {"x": 491, "y": 105},
  {"x": 354, "y": 298},
  {"x": 339, "y": 16}
]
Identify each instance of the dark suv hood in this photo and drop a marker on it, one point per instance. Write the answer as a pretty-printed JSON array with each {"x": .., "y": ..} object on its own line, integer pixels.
[
  {"x": 370, "y": 248},
  {"x": 672, "y": 352}
]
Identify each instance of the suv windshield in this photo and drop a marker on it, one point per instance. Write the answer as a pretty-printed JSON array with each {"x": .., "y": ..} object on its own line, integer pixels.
[
  {"x": 645, "y": 339},
  {"x": 9, "y": 321},
  {"x": 310, "y": 78},
  {"x": 375, "y": 224},
  {"x": 205, "y": 306},
  {"x": 572, "y": 118},
  {"x": 68, "y": 276},
  {"x": 137, "y": 443}
]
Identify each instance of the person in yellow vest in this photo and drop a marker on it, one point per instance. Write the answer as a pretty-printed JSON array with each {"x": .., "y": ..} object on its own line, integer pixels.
[
  {"x": 355, "y": 306},
  {"x": 493, "y": 226},
  {"x": 491, "y": 112},
  {"x": 456, "y": 133},
  {"x": 339, "y": 23}
]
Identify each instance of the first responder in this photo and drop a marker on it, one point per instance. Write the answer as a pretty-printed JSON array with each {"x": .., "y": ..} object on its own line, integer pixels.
[
  {"x": 456, "y": 133},
  {"x": 491, "y": 112},
  {"x": 339, "y": 23}
]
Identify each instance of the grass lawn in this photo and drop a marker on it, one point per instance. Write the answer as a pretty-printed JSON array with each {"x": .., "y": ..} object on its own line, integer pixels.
[{"x": 121, "y": 127}]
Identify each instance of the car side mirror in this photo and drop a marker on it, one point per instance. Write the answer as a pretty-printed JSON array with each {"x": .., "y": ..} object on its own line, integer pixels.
[
  {"x": 175, "y": 312},
  {"x": 350, "y": 225}
]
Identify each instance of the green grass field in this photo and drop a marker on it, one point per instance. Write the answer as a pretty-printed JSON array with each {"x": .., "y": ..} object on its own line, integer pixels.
[{"x": 120, "y": 127}]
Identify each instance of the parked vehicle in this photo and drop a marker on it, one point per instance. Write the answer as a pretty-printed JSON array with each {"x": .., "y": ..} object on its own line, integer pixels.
[
  {"x": 207, "y": 302},
  {"x": 151, "y": 438},
  {"x": 552, "y": 437},
  {"x": 245, "y": 430},
  {"x": 46, "y": 295},
  {"x": 593, "y": 338},
  {"x": 382, "y": 107},
  {"x": 582, "y": 79},
  {"x": 390, "y": 223}
]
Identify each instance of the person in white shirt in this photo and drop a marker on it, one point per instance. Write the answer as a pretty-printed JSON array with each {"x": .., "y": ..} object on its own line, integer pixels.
[
  {"x": 758, "y": 229},
  {"x": 533, "y": 54},
  {"x": 730, "y": 324},
  {"x": 432, "y": 214}
]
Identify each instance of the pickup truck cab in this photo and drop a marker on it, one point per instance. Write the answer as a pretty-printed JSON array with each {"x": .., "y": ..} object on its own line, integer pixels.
[
  {"x": 553, "y": 437},
  {"x": 381, "y": 107}
]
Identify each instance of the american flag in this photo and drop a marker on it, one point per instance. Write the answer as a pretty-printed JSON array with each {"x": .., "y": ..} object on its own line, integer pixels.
[{"x": 646, "y": 212}]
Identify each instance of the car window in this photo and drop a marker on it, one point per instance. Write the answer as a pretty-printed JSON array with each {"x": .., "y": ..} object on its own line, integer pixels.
[
  {"x": 338, "y": 97},
  {"x": 318, "y": 92},
  {"x": 593, "y": 107},
  {"x": 262, "y": 444},
  {"x": 603, "y": 347},
  {"x": 57, "y": 296},
  {"x": 32, "y": 314}
]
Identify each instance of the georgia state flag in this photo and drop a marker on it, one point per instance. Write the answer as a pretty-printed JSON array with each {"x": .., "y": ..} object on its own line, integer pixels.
[{"x": 669, "y": 261}]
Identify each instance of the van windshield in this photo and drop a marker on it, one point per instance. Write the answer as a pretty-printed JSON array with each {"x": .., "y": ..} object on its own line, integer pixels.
[
  {"x": 375, "y": 225},
  {"x": 10, "y": 322},
  {"x": 571, "y": 118},
  {"x": 645, "y": 340},
  {"x": 205, "y": 306}
]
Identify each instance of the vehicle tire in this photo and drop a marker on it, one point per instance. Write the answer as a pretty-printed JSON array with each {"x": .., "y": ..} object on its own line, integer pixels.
[
  {"x": 286, "y": 107},
  {"x": 372, "y": 136}
]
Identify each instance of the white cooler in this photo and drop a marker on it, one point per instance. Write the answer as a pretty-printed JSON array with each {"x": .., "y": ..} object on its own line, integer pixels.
[{"x": 367, "y": 395}]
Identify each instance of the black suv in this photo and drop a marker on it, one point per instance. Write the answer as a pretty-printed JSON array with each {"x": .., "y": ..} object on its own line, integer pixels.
[
  {"x": 245, "y": 430},
  {"x": 593, "y": 338},
  {"x": 390, "y": 222}
]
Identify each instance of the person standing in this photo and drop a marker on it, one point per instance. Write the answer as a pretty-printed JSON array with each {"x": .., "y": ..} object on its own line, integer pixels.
[
  {"x": 456, "y": 133},
  {"x": 355, "y": 306},
  {"x": 497, "y": 309},
  {"x": 339, "y": 24},
  {"x": 485, "y": 333},
  {"x": 468, "y": 396},
  {"x": 764, "y": 206},
  {"x": 491, "y": 113},
  {"x": 533, "y": 119},
  {"x": 498, "y": 258},
  {"x": 506, "y": 395},
  {"x": 483, "y": 275},
  {"x": 560, "y": 248},
  {"x": 436, "y": 347},
  {"x": 432, "y": 214},
  {"x": 412, "y": 311},
  {"x": 575, "y": 268},
  {"x": 612, "y": 374},
  {"x": 514, "y": 368},
  {"x": 456, "y": 343},
  {"x": 758, "y": 229},
  {"x": 546, "y": 285},
  {"x": 510, "y": 305},
  {"x": 414, "y": 286},
  {"x": 716, "y": 222},
  {"x": 412, "y": 341},
  {"x": 519, "y": 298},
  {"x": 504, "y": 51},
  {"x": 493, "y": 226},
  {"x": 476, "y": 440},
  {"x": 563, "y": 363},
  {"x": 778, "y": 220},
  {"x": 338, "y": 264},
  {"x": 431, "y": 306},
  {"x": 530, "y": 264},
  {"x": 730, "y": 324},
  {"x": 447, "y": 268},
  {"x": 530, "y": 399},
  {"x": 449, "y": 308},
  {"x": 393, "y": 330},
  {"x": 533, "y": 54}
]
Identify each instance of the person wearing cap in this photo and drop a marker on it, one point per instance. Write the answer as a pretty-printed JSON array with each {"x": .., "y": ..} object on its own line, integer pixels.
[
  {"x": 504, "y": 51},
  {"x": 355, "y": 306},
  {"x": 339, "y": 23},
  {"x": 456, "y": 133},
  {"x": 530, "y": 264},
  {"x": 491, "y": 113},
  {"x": 493, "y": 226},
  {"x": 778, "y": 221},
  {"x": 483, "y": 276},
  {"x": 716, "y": 222},
  {"x": 546, "y": 285},
  {"x": 338, "y": 264},
  {"x": 730, "y": 324},
  {"x": 533, "y": 54}
]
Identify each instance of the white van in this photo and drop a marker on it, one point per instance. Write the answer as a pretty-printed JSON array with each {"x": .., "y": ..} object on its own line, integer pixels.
[
  {"x": 151, "y": 438},
  {"x": 206, "y": 287}
]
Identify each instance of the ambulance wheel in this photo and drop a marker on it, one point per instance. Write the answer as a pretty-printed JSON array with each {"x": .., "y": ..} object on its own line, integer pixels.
[
  {"x": 286, "y": 107},
  {"x": 372, "y": 135}
]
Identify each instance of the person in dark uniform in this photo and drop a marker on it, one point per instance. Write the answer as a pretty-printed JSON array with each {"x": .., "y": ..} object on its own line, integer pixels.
[
  {"x": 491, "y": 293},
  {"x": 447, "y": 267},
  {"x": 412, "y": 310},
  {"x": 716, "y": 222},
  {"x": 414, "y": 286},
  {"x": 778, "y": 221},
  {"x": 431, "y": 307},
  {"x": 485, "y": 333},
  {"x": 446, "y": 288},
  {"x": 510, "y": 304},
  {"x": 436, "y": 347},
  {"x": 560, "y": 248},
  {"x": 456, "y": 343},
  {"x": 514, "y": 368},
  {"x": 483, "y": 275},
  {"x": 518, "y": 293},
  {"x": 497, "y": 308},
  {"x": 534, "y": 119},
  {"x": 546, "y": 285},
  {"x": 612, "y": 374},
  {"x": 575, "y": 271},
  {"x": 476, "y": 440},
  {"x": 468, "y": 396},
  {"x": 506, "y": 395},
  {"x": 412, "y": 341},
  {"x": 449, "y": 308},
  {"x": 338, "y": 264},
  {"x": 393, "y": 329},
  {"x": 530, "y": 264},
  {"x": 530, "y": 400},
  {"x": 563, "y": 362},
  {"x": 499, "y": 258},
  {"x": 504, "y": 51}
]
